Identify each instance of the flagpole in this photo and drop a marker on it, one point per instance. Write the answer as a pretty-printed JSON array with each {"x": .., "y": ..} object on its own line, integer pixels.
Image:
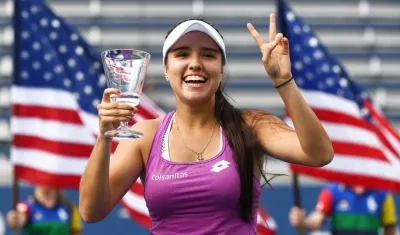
[
  {"x": 16, "y": 49},
  {"x": 15, "y": 196},
  {"x": 297, "y": 198}
]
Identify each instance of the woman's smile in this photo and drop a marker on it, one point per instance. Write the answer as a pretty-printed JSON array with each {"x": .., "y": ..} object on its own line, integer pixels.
[{"x": 195, "y": 81}]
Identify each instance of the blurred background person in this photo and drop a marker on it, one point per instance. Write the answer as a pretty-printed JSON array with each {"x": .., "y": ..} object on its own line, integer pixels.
[
  {"x": 46, "y": 212},
  {"x": 353, "y": 210}
]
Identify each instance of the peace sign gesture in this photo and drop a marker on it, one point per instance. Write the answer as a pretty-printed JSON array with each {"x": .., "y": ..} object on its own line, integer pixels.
[{"x": 275, "y": 53}]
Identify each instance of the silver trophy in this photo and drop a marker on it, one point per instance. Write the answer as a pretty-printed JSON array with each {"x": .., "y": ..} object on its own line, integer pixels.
[{"x": 125, "y": 69}]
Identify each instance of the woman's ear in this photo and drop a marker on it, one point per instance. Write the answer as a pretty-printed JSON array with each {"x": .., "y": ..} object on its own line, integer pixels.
[{"x": 166, "y": 72}]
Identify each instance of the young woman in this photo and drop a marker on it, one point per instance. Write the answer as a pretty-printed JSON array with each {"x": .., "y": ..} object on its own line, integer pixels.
[
  {"x": 46, "y": 212},
  {"x": 201, "y": 164}
]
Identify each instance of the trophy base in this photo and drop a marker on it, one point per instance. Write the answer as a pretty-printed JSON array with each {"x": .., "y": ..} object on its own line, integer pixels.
[{"x": 124, "y": 134}]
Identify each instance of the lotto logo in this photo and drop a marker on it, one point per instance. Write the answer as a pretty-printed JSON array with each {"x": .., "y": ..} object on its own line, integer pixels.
[{"x": 219, "y": 166}]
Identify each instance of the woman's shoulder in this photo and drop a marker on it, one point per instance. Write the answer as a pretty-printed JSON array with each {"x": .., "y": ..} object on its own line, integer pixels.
[
  {"x": 149, "y": 128},
  {"x": 147, "y": 125},
  {"x": 150, "y": 124},
  {"x": 260, "y": 119},
  {"x": 253, "y": 116}
]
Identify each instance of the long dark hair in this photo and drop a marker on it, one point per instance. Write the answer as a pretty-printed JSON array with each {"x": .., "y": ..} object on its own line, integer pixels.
[{"x": 247, "y": 150}]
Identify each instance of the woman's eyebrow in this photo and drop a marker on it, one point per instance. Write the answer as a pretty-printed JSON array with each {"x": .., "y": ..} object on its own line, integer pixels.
[{"x": 187, "y": 48}]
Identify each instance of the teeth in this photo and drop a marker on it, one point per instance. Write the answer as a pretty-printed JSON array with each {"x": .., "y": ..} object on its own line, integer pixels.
[{"x": 194, "y": 78}]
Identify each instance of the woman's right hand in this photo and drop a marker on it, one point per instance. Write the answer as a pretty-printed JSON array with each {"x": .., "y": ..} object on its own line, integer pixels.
[{"x": 112, "y": 113}]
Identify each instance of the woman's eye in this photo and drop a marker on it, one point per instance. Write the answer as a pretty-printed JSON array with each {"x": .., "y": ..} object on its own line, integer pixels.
[
  {"x": 181, "y": 54},
  {"x": 210, "y": 55}
]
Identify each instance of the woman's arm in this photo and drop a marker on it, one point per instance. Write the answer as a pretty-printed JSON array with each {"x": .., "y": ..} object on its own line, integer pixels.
[
  {"x": 105, "y": 182},
  {"x": 308, "y": 144}
]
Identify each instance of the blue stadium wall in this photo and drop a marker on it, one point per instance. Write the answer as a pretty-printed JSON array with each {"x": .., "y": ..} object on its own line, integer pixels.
[{"x": 277, "y": 203}]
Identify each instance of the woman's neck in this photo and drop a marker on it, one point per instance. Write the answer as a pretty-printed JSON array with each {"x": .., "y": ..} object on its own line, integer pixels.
[{"x": 196, "y": 116}]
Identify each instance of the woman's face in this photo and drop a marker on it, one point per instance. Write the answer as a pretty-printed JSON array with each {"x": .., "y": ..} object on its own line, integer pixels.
[{"x": 194, "y": 67}]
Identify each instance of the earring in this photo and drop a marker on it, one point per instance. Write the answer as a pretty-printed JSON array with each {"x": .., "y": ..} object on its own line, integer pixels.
[{"x": 166, "y": 78}]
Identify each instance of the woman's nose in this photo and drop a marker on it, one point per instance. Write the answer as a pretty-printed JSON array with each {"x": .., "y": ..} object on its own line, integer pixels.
[{"x": 195, "y": 63}]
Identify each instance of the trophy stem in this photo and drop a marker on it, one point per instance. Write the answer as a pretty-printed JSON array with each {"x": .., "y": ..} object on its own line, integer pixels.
[
  {"x": 123, "y": 126},
  {"x": 124, "y": 132}
]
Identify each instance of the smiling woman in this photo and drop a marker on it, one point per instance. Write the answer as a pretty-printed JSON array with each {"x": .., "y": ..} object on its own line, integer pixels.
[
  {"x": 196, "y": 85},
  {"x": 219, "y": 147}
]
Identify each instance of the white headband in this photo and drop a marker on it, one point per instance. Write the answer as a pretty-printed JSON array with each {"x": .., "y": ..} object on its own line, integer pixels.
[{"x": 188, "y": 26}]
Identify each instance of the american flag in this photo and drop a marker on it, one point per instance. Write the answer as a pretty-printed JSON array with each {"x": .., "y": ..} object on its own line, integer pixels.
[
  {"x": 367, "y": 147},
  {"x": 58, "y": 81}
]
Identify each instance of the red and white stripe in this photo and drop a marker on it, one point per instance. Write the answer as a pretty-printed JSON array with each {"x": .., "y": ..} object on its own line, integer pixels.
[
  {"x": 266, "y": 225},
  {"x": 50, "y": 142},
  {"x": 52, "y": 139},
  {"x": 366, "y": 153}
]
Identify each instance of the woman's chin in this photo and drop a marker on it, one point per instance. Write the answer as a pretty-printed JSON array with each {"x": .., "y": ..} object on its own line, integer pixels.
[{"x": 196, "y": 98}]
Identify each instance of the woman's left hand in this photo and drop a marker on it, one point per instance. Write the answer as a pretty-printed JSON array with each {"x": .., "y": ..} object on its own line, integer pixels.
[{"x": 275, "y": 53}]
